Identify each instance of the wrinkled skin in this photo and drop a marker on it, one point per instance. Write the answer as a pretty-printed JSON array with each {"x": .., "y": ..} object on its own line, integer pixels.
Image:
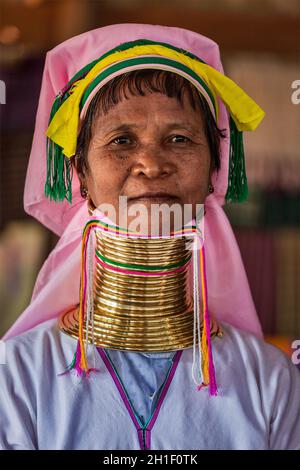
[{"x": 148, "y": 144}]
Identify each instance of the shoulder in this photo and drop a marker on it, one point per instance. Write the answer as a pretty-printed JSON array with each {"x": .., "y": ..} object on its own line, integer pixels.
[
  {"x": 247, "y": 359},
  {"x": 273, "y": 381},
  {"x": 43, "y": 330},
  {"x": 44, "y": 333},
  {"x": 263, "y": 380},
  {"x": 244, "y": 347},
  {"x": 28, "y": 369},
  {"x": 37, "y": 349}
]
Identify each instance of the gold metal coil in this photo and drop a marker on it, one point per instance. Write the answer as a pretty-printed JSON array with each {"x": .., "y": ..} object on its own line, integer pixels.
[
  {"x": 106, "y": 310},
  {"x": 142, "y": 250},
  {"x": 123, "y": 278},
  {"x": 132, "y": 309},
  {"x": 140, "y": 325},
  {"x": 141, "y": 258},
  {"x": 131, "y": 339},
  {"x": 135, "y": 272},
  {"x": 177, "y": 321},
  {"x": 139, "y": 301},
  {"x": 147, "y": 242},
  {"x": 134, "y": 301},
  {"x": 135, "y": 282},
  {"x": 157, "y": 247},
  {"x": 132, "y": 334},
  {"x": 184, "y": 339},
  {"x": 139, "y": 292},
  {"x": 135, "y": 312}
]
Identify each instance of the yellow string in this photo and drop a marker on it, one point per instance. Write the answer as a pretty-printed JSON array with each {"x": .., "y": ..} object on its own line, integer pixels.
[
  {"x": 204, "y": 345},
  {"x": 83, "y": 359}
]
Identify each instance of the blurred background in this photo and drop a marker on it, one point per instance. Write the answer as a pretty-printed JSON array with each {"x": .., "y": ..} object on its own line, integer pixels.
[{"x": 260, "y": 46}]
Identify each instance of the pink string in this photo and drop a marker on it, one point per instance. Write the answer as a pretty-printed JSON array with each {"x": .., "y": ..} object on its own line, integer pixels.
[
  {"x": 212, "y": 378},
  {"x": 140, "y": 273}
]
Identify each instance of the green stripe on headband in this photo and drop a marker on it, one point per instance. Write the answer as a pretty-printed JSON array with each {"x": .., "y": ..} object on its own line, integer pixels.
[
  {"x": 63, "y": 127},
  {"x": 123, "y": 47},
  {"x": 63, "y": 94},
  {"x": 149, "y": 60}
]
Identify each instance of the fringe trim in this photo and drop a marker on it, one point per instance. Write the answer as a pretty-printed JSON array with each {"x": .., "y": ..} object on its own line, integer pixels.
[
  {"x": 76, "y": 364},
  {"x": 58, "y": 184},
  {"x": 237, "y": 190}
]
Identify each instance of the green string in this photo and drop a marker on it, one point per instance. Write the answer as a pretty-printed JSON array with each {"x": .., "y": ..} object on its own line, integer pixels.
[
  {"x": 142, "y": 267},
  {"x": 237, "y": 190},
  {"x": 58, "y": 184}
]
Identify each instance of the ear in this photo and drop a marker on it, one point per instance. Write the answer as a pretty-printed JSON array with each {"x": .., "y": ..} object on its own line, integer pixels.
[
  {"x": 76, "y": 162},
  {"x": 82, "y": 179},
  {"x": 79, "y": 171}
]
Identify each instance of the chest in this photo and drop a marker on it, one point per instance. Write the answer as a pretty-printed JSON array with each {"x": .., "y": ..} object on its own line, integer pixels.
[{"x": 97, "y": 414}]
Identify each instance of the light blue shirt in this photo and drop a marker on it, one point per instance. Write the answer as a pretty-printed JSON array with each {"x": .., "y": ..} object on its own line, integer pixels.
[{"x": 142, "y": 375}]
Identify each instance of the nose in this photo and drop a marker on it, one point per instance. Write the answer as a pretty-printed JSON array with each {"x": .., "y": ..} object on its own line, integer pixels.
[{"x": 151, "y": 163}]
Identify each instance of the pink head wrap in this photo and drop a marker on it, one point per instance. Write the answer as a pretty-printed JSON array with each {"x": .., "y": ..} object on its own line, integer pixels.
[{"x": 57, "y": 285}]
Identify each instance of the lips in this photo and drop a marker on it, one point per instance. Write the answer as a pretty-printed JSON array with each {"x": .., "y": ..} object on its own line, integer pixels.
[{"x": 154, "y": 197}]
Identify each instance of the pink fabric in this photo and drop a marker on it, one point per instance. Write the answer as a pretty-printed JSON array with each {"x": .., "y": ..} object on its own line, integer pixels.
[{"x": 57, "y": 285}]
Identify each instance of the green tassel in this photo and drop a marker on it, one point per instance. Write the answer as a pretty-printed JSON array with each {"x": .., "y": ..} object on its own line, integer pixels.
[
  {"x": 58, "y": 184},
  {"x": 237, "y": 190}
]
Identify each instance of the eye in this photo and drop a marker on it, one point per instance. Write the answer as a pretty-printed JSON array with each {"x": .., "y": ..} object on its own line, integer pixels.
[
  {"x": 121, "y": 140},
  {"x": 180, "y": 139}
]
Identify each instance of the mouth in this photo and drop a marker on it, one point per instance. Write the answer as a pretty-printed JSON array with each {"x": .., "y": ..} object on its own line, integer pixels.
[{"x": 154, "y": 198}]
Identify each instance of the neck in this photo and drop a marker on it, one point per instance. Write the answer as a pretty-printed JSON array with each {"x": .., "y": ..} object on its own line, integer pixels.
[{"x": 140, "y": 297}]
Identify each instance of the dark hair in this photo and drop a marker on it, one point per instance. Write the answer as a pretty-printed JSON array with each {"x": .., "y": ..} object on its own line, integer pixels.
[{"x": 138, "y": 83}]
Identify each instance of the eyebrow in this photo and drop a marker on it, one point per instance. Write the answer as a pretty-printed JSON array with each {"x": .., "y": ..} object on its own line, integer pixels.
[{"x": 129, "y": 126}]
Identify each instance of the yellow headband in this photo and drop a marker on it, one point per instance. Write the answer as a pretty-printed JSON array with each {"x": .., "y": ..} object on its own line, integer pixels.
[{"x": 63, "y": 128}]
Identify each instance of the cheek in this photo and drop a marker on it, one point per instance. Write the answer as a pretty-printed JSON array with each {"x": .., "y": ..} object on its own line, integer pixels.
[
  {"x": 194, "y": 178},
  {"x": 105, "y": 179}
]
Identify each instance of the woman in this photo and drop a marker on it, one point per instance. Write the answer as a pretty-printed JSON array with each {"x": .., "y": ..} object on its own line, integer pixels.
[{"x": 142, "y": 112}]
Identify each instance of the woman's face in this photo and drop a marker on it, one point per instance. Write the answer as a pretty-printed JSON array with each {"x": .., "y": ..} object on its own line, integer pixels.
[{"x": 151, "y": 150}]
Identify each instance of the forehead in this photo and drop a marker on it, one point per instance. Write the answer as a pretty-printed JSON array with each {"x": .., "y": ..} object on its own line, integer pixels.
[{"x": 153, "y": 107}]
